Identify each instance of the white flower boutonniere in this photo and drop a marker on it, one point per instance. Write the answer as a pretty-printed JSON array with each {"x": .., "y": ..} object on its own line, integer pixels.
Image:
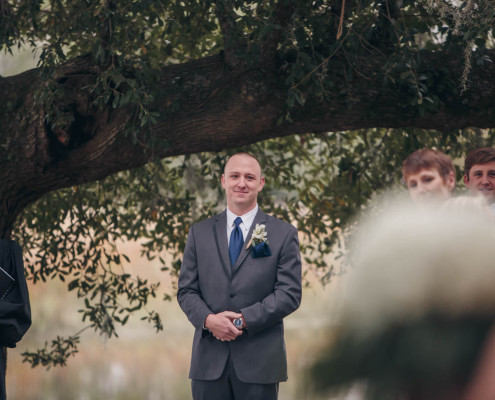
[{"x": 258, "y": 236}]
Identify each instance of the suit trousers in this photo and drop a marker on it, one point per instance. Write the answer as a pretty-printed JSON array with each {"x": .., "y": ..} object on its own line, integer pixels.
[{"x": 229, "y": 387}]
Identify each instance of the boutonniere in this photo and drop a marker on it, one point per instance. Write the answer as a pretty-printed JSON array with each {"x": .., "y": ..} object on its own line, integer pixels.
[{"x": 259, "y": 242}]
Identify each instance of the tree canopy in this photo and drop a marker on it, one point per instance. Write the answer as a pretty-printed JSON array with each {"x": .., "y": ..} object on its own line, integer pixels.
[{"x": 97, "y": 142}]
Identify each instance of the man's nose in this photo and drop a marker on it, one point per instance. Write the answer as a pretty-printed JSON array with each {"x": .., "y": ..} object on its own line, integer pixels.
[{"x": 421, "y": 188}]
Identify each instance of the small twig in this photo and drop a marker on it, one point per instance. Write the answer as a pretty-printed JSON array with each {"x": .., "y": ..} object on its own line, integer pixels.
[
  {"x": 326, "y": 60},
  {"x": 341, "y": 20}
]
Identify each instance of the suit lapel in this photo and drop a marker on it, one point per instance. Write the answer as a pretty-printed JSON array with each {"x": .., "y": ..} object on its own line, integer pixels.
[
  {"x": 258, "y": 219},
  {"x": 220, "y": 232}
]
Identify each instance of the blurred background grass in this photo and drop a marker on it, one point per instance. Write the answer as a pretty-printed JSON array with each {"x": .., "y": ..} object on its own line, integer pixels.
[{"x": 142, "y": 364}]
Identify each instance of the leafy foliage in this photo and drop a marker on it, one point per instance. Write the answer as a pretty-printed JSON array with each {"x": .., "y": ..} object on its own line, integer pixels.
[
  {"x": 60, "y": 350},
  {"x": 472, "y": 21},
  {"x": 130, "y": 41},
  {"x": 318, "y": 182}
]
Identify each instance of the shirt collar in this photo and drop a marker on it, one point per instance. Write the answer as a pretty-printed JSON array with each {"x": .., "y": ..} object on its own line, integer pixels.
[{"x": 249, "y": 216}]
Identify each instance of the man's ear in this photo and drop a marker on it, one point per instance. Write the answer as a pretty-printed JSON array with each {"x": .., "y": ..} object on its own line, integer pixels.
[
  {"x": 262, "y": 183},
  {"x": 222, "y": 180},
  {"x": 466, "y": 180}
]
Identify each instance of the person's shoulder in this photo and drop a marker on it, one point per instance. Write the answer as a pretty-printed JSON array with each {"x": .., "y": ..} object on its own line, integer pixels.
[{"x": 6, "y": 245}]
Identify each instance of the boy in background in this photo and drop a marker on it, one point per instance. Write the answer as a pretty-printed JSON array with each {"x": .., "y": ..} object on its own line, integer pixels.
[{"x": 429, "y": 176}]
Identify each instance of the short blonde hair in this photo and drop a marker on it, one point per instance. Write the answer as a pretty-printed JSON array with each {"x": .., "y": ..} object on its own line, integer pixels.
[
  {"x": 428, "y": 159},
  {"x": 243, "y": 154}
]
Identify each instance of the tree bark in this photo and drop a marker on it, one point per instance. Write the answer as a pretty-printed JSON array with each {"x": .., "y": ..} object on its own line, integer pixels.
[{"x": 214, "y": 107}]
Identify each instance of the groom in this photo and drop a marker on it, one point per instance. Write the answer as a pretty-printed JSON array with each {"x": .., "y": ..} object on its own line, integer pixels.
[{"x": 236, "y": 292}]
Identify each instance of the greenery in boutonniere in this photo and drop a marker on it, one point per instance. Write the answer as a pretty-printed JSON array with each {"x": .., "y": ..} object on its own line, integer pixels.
[{"x": 258, "y": 236}]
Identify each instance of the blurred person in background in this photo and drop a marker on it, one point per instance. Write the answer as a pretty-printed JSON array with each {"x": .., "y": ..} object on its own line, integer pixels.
[
  {"x": 479, "y": 174},
  {"x": 429, "y": 176},
  {"x": 417, "y": 315},
  {"x": 15, "y": 311}
]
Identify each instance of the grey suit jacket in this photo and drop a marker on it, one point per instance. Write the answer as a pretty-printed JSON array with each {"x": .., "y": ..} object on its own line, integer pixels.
[{"x": 264, "y": 290}]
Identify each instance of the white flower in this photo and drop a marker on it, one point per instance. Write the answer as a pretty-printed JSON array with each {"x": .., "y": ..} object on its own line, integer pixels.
[
  {"x": 259, "y": 236},
  {"x": 413, "y": 262}
]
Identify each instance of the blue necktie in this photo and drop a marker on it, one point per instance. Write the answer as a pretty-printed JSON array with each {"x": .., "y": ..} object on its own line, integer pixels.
[{"x": 236, "y": 242}]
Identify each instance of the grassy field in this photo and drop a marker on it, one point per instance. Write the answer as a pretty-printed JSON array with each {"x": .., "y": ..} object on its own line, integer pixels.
[{"x": 142, "y": 364}]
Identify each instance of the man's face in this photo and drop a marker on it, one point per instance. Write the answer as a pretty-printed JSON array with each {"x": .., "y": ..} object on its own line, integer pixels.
[
  {"x": 481, "y": 180},
  {"x": 242, "y": 181},
  {"x": 428, "y": 185}
]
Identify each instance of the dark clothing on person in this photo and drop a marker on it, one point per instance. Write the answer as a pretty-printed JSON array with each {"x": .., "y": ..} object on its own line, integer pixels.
[{"x": 15, "y": 311}]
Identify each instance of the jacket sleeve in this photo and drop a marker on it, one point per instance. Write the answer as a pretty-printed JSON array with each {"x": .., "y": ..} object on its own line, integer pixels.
[
  {"x": 286, "y": 295},
  {"x": 15, "y": 310},
  {"x": 189, "y": 292}
]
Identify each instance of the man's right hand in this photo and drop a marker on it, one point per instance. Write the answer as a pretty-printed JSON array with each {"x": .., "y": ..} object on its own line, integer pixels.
[{"x": 221, "y": 325}]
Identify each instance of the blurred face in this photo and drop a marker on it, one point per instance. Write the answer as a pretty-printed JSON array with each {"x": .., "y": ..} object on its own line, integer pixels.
[
  {"x": 481, "y": 180},
  {"x": 428, "y": 185},
  {"x": 242, "y": 181}
]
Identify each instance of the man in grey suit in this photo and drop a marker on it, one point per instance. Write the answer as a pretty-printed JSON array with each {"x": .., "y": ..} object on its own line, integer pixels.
[{"x": 240, "y": 276}]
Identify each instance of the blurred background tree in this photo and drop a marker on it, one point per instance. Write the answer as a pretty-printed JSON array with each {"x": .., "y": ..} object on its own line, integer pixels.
[{"x": 122, "y": 129}]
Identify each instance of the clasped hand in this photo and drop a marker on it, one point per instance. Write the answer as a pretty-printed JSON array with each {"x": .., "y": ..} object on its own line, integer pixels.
[{"x": 222, "y": 327}]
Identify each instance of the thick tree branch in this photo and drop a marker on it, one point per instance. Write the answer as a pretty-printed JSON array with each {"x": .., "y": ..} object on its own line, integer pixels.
[{"x": 213, "y": 108}]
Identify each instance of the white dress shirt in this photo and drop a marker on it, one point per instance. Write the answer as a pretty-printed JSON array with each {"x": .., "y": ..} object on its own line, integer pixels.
[{"x": 245, "y": 225}]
